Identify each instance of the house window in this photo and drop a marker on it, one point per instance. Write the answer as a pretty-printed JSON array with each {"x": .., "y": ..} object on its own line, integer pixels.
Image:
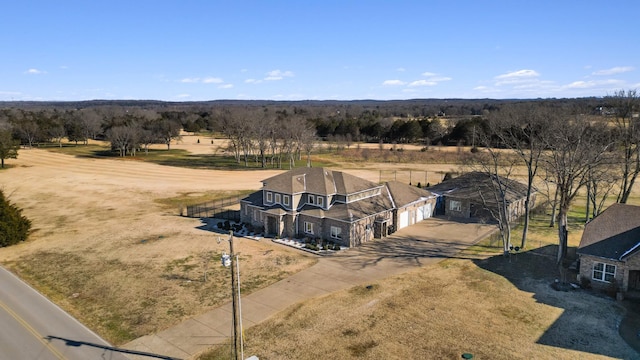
[
  {"x": 310, "y": 199},
  {"x": 455, "y": 205},
  {"x": 604, "y": 272},
  {"x": 336, "y": 232},
  {"x": 269, "y": 196},
  {"x": 308, "y": 227},
  {"x": 320, "y": 201},
  {"x": 286, "y": 199},
  {"x": 278, "y": 198}
]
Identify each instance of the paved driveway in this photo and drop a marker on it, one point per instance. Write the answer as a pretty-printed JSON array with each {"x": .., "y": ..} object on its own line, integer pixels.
[{"x": 425, "y": 243}]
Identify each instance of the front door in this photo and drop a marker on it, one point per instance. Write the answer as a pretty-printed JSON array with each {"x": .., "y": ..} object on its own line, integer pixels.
[
  {"x": 634, "y": 280},
  {"x": 272, "y": 226}
]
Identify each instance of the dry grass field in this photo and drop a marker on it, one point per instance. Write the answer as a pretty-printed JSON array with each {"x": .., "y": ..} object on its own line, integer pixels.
[
  {"x": 109, "y": 247},
  {"x": 478, "y": 303}
]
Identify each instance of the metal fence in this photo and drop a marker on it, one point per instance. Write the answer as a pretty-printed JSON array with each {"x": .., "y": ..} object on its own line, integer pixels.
[{"x": 228, "y": 209}]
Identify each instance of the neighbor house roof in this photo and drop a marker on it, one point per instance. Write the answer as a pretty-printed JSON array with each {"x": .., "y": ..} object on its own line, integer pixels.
[
  {"x": 614, "y": 234},
  {"x": 318, "y": 181},
  {"x": 404, "y": 194},
  {"x": 472, "y": 184}
]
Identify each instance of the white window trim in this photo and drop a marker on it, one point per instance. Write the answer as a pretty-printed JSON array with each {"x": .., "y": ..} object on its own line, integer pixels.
[
  {"x": 320, "y": 201},
  {"x": 603, "y": 272},
  {"x": 455, "y": 205},
  {"x": 285, "y": 200},
  {"x": 278, "y": 198},
  {"x": 269, "y": 196},
  {"x": 336, "y": 232},
  {"x": 308, "y": 227},
  {"x": 310, "y": 199}
]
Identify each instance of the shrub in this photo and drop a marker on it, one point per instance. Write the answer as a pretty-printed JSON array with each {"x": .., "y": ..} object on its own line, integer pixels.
[
  {"x": 14, "y": 227},
  {"x": 220, "y": 225}
]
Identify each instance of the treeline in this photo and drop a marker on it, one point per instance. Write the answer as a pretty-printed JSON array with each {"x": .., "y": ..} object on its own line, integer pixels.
[{"x": 268, "y": 132}]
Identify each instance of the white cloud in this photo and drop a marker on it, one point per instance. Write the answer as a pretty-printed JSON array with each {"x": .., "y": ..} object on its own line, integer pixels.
[
  {"x": 393, "y": 82},
  {"x": 427, "y": 73},
  {"x": 212, "y": 80},
  {"x": 252, "y": 81},
  {"x": 593, "y": 83},
  {"x": 207, "y": 80},
  {"x": 183, "y": 96},
  {"x": 401, "y": 69},
  {"x": 614, "y": 70},
  {"x": 481, "y": 88},
  {"x": 423, "y": 83},
  {"x": 34, "y": 72},
  {"x": 517, "y": 77},
  {"x": 225, "y": 86},
  {"x": 439, "y": 79},
  {"x": 278, "y": 75}
]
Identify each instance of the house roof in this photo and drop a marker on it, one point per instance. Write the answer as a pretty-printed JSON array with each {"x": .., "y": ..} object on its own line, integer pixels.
[
  {"x": 353, "y": 211},
  {"x": 320, "y": 181},
  {"x": 614, "y": 234},
  {"x": 404, "y": 194},
  {"x": 471, "y": 185}
]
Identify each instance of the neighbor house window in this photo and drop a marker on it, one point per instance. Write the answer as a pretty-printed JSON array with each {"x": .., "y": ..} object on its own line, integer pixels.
[
  {"x": 278, "y": 198},
  {"x": 310, "y": 199},
  {"x": 604, "y": 272},
  {"x": 320, "y": 201},
  {"x": 286, "y": 199},
  {"x": 455, "y": 205},
  {"x": 336, "y": 232},
  {"x": 308, "y": 227},
  {"x": 269, "y": 196}
]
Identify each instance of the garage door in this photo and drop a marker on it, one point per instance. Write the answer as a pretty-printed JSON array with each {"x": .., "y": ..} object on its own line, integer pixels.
[
  {"x": 404, "y": 220},
  {"x": 427, "y": 210},
  {"x": 420, "y": 214}
]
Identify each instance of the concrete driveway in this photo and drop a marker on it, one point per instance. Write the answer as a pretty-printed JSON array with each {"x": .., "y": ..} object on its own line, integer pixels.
[{"x": 425, "y": 243}]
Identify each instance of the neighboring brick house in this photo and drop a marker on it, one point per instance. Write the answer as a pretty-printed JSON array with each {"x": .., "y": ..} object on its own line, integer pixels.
[
  {"x": 609, "y": 250},
  {"x": 471, "y": 195},
  {"x": 327, "y": 204}
]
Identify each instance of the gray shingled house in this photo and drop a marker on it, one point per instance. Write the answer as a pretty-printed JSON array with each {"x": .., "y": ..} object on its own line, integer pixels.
[
  {"x": 471, "y": 195},
  {"x": 332, "y": 205},
  {"x": 609, "y": 250}
]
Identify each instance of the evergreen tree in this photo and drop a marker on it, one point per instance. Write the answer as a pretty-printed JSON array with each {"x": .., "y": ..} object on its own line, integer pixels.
[{"x": 14, "y": 227}]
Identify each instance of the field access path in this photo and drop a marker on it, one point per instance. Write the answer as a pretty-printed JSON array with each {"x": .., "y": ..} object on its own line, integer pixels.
[{"x": 422, "y": 244}]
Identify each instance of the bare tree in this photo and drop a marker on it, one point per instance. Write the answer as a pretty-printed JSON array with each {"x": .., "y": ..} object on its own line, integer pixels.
[
  {"x": 625, "y": 107},
  {"x": 520, "y": 128},
  {"x": 574, "y": 147},
  {"x": 8, "y": 145}
]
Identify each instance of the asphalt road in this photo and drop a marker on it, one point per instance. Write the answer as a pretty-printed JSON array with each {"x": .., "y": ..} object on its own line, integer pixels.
[{"x": 34, "y": 328}]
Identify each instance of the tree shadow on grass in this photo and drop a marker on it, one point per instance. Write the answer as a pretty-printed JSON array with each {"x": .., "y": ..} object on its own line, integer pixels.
[{"x": 583, "y": 324}]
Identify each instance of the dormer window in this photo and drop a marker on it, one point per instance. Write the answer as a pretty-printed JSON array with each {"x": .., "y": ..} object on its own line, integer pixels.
[
  {"x": 310, "y": 199},
  {"x": 269, "y": 196},
  {"x": 320, "y": 200},
  {"x": 278, "y": 198},
  {"x": 285, "y": 198}
]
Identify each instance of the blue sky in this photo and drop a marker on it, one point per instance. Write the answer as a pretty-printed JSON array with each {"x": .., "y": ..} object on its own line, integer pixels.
[{"x": 319, "y": 50}]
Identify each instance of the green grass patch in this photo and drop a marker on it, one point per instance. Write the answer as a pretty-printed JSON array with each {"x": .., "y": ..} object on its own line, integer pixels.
[{"x": 190, "y": 198}]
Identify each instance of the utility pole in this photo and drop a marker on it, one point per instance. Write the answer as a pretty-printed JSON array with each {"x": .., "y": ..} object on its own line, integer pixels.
[{"x": 234, "y": 297}]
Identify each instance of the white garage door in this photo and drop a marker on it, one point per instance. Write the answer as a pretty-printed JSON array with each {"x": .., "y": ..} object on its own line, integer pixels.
[
  {"x": 404, "y": 220},
  {"x": 427, "y": 211},
  {"x": 420, "y": 214}
]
